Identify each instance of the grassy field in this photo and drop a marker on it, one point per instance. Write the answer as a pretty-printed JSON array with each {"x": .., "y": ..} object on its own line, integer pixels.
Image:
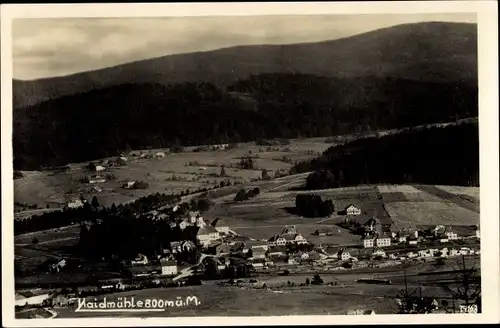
[{"x": 172, "y": 174}]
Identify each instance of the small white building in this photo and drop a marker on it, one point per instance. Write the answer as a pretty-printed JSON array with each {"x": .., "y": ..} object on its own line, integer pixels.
[
  {"x": 75, "y": 204},
  {"x": 258, "y": 253},
  {"x": 183, "y": 225},
  {"x": 97, "y": 180},
  {"x": 478, "y": 232},
  {"x": 424, "y": 253},
  {"x": 129, "y": 184},
  {"x": 140, "y": 259},
  {"x": 451, "y": 235},
  {"x": 99, "y": 168},
  {"x": 222, "y": 229},
  {"x": 168, "y": 267},
  {"x": 207, "y": 235},
  {"x": 379, "y": 252},
  {"x": 160, "y": 155},
  {"x": 344, "y": 256},
  {"x": 277, "y": 241},
  {"x": 352, "y": 210},
  {"x": 383, "y": 242},
  {"x": 369, "y": 242}
]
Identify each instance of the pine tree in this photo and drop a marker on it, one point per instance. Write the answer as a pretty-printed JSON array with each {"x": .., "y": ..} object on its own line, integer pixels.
[{"x": 95, "y": 202}]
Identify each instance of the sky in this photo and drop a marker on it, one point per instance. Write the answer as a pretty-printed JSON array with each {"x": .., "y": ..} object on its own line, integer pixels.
[{"x": 48, "y": 47}]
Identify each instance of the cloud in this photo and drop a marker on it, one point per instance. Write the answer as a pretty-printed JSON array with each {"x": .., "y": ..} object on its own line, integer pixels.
[{"x": 45, "y": 47}]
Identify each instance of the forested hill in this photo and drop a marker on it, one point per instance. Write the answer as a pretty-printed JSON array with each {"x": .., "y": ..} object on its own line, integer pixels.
[
  {"x": 100, "y": 123},
  {"x": 440, "y": 155},
  {"x": 427, "y": 51}
]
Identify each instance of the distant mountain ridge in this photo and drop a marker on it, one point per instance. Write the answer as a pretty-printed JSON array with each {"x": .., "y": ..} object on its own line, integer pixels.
[{"x": 431, "y": 51}]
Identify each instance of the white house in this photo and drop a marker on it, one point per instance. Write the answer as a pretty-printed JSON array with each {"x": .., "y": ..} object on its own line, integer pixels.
[
  {"x": 129, "y": 184},
  {"x": 97, "y": 180},
  {"x": 99, "y": 168},
  {"x": 424, "y": 253},
  {"x": 75, "y": 204},
  {"x": 304, "y": 256},
  {"x": 201, "y": 223},
  {"x": 183, "y": 225},
  {"x": 413, "y": 242},
  {"x": 253, "y": 244},
  {"x": 478, "y": 232},
  {"x": 207, "y": 235},
  {"x": 383, "y": 242},
  {"x": 411, "y": 255},
  {"x": 368, "y": 242},
  {"x": 379, "y": 252},
  {"x": 160, "y": 155},
  {"x": 352, "y": 210},
  {"x": 297, "y": 238},
  {"x": 402, "y": 239},
  {"x": 168, "y": 267},
  {"x": 140, "y": 259},
  {"x": 59, "y": 265},
  {"x": 343, "y": 255},
  {"x": 451, "y": 235},
  {"x": 277, "y": 241},
  {"x": 443, "y": 240}
]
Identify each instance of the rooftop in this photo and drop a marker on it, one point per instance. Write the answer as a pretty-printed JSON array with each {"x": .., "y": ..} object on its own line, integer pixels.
[{"x": 207, "y": 230}]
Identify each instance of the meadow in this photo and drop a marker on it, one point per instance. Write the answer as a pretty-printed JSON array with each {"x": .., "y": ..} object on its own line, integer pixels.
[{"x": 189, "y": 170}]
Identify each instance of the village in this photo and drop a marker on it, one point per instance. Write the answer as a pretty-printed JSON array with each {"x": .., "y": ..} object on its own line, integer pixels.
[{"x": 217, "y": 253}]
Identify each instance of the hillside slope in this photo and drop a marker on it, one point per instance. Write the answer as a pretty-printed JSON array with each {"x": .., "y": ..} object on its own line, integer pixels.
[
  {"x": 103, "y": 122},
  {"x": 439, "y": 155},
  {"x": 430, "y": 51}
]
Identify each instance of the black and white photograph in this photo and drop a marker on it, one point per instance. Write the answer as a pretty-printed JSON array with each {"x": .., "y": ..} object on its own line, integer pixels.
[{"x": 250, "y": 164}]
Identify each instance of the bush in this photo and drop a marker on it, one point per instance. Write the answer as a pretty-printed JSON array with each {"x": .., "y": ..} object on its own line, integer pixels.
[
  {"x": 241, "y": 196},
  {"x": 317, "y": 280},
  {"x": 141, "y": 185},
  {"x": 247, "y": 163}
]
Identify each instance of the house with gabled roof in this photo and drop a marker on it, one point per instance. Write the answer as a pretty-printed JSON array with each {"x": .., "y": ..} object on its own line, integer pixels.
[
  {"x": 207, "y": 235},
  {"x": 352, "y": 210}
]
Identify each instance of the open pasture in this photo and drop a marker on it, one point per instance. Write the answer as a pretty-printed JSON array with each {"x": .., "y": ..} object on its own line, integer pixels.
[
  {"x": 397, "y": 188},
  {"x": 174, "y": 173},
  {"x": 472, "y": 192},
  {"x": 416, "y": 213}
]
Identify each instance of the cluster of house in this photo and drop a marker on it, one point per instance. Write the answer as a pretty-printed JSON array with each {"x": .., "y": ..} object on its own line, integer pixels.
[
  {"x": 289, "y": 235},
  {"x": 77, "y": 203},
  {"x": 376, "y": 236},
  {"x": 150, "y": 155}
]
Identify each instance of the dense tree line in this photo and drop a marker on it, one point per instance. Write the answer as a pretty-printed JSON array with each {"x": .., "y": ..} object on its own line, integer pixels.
[
  {"x": 90, "y": 212},
  {"x": 313, "y": 206},
  {"x": 124, "y": 236},
  {"x": 440, "y": 155},
  {"x": 103, "y": 122}
]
